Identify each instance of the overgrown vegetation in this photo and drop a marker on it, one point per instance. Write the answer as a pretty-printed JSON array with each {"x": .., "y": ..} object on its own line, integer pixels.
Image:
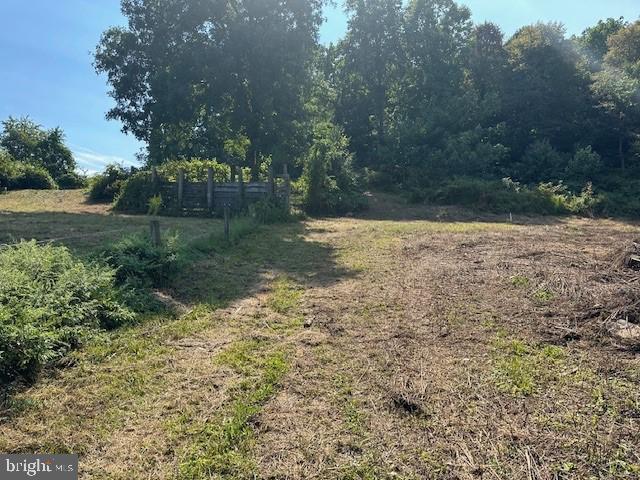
[
  {"x": 49, "y": 301},
  {"x": 329, "y": 184},
  {"x": 414, "y": 95},
  {"x": 138, "y": 263},
  {"x": 504, "y": 196},
  {"x": 34, "y": 158},
  {"x": 106, "y": 186}
]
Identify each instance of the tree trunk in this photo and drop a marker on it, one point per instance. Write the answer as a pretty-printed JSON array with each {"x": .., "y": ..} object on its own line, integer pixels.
[
  {"x": 252, "y": 160},
  {"x": 621, "y": 150}
]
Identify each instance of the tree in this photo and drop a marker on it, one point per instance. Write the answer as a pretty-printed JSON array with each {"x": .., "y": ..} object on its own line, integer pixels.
[
  {"x": 369, "y": 63},
  {"x": 548, "y": 95},
  {"x": 433, "y": 100},
  {"x": 28, "y": 142},
  {"x": 594, "y": 41},
  {"x": 624, "y": 50},
  {"x": 618, "y": 94},
  {"x": 188, "y": 74}
]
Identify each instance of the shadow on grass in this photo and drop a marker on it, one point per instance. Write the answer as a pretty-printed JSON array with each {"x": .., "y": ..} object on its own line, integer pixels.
[
  {"x": 85, "y": 232},
  {"x": 236, "y": 272},
  {"x": 392, "y": 207}
]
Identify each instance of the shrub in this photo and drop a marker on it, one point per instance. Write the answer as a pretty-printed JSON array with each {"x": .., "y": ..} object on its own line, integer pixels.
[
  {"x": 9, "y": 170},
  {"x": 106, "y": 186},
  {"x": 329, "y": 183},
  {"x": 135, "y": 194},
  {"x": 509, "y": 196},
  {"x": 540, "y": 162},
  {"x": 48, "y": 302},
  {"x": 269, "y": 211},
  {"x": 71, "y": 181},
  {"x": 620, "y": 196},
  {"x": 196, "y": 169},
  {"x": 584, "y": 165},
  {"x": 33, "y": 178},
  {"x": 140, "y": 264}
]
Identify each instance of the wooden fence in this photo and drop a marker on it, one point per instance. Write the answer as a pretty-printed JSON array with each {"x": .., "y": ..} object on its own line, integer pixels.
[{"x": 211, "y": 197}]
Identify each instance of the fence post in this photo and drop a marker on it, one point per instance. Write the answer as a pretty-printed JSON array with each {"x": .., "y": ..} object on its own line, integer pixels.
[
  {"x": 241, "y": 186},
  {"x": 226, "y": 222},
  {"x": 210, "y": 189},
  {"x": 272, "y": 183},
  {"x": 287, "y": 187},
  {"x": 155, "y": 232},
  {"x": 233, "y": 174},
  {"x": 180, "y": 188}
]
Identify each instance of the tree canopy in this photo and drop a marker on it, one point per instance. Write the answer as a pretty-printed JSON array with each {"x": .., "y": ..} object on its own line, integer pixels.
[
  {"x": 419, "y": 91},
  {"x": 28, "y": 142}
]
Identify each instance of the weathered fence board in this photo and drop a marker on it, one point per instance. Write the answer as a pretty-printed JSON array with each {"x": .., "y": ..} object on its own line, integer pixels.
[{"x": 187, "y": 197}]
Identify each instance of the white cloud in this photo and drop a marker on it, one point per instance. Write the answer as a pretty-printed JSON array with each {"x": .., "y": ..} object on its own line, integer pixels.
[{"x": 94, "y": 162}]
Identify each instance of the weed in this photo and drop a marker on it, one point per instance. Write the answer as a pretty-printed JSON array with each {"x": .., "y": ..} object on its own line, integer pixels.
[
  {"x": 543, "y": 295},
  {"x": 285, "y": 296},
  {"x": 520, "y": 281},
  {"x": 519, "y": 368}
]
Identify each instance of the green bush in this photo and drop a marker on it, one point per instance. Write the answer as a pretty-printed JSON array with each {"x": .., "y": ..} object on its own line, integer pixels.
[
  {"x": 48, "y": 302},
  {"x": 16, "y": 175},
  {"x": 135, "y": 194},
  {"x": 620, "y": 196},
  {"x": 106, "y": 186},
  {"x": 268, "y": 211},
  {"x": 584, "y": 165},
  {"x": 540, "y": 162},
  {"x": 9, "y": 171},
  {"x": 329, "y": 183},
  {"x": 140, "y": 264},
  {"x": 32, "y": 177},
  {"x": 508, "y": 196},
  {"x": 196, "y": 169},
  {"x": 71, "y": 181}
]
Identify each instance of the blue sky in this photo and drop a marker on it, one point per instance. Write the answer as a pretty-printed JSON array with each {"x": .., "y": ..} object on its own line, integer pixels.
[{"x": 46, "y": 67}]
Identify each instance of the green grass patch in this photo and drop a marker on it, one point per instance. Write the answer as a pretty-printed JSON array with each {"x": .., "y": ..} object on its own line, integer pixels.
[
  {"x": 519, "y": 368},
  {"x": 544, "y": 295},
  {"x": 285, "y": 296},
  {"x": 520, "y": 281},
  {"x": 222, "y": 447}
]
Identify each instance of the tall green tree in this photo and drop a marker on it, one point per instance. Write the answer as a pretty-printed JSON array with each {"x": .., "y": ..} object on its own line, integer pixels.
[
  {"x": 594, "y": 41},
  {"x": 188, "y": 74},
  {"x": 26, "y": 141},
  {"x": 370, "y": 62},
  {"x": 548, "y": 93},
  {"x": 433, "y": 102}
]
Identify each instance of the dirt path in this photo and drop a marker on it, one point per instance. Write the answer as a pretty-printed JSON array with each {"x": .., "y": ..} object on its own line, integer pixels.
[{"x": 365, "y": 349}]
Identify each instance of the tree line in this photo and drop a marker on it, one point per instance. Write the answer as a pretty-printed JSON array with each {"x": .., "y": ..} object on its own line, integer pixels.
[{"x": 419, "y": 90}]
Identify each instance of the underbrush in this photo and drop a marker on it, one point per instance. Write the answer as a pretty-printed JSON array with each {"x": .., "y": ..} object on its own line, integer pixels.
[
  {"x": 500, "y": 196},
  {"x": 49, "y": 302},
  {"x": 106, "y": 186},
  {"x": 137, "y": 262},
  {"x": 16, "y": 175}
]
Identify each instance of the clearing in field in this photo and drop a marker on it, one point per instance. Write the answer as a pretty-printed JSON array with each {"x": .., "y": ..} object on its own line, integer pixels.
[{"x": 408, "y": 343}]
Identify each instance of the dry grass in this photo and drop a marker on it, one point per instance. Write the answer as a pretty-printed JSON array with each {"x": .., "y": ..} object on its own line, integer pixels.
[
  {"x": 66, "y": 217},
  {"x": 424, "y": 347}
]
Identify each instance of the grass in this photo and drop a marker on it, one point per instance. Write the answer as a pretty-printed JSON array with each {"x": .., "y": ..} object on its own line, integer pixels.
[
  {"x": 285, "y": 296},
  {"x": 221, "y": 447},
  {"x": 521, "y": 369},
  {"x": 66, "y": 217},
  {"x": 235, "y": 387}
]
